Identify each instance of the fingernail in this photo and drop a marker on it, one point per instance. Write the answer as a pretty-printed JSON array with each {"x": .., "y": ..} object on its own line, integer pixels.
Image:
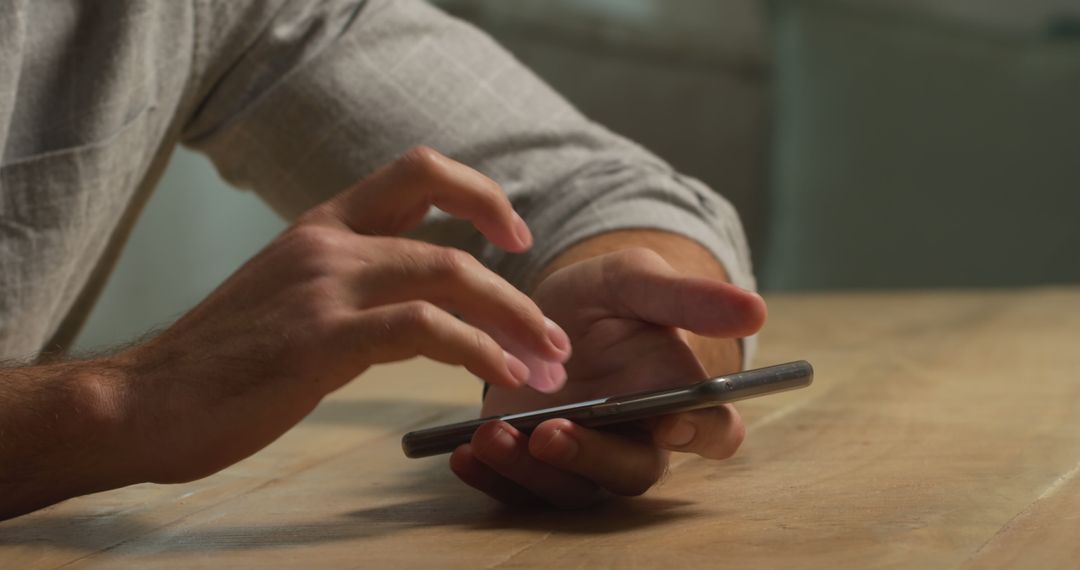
[
  {"x": 682, "y": 434},
  {"x": 521, "y": 232},
  {"x": 560, "y": 448},
  {"x": 550, "y": 378},
  {"x": 558, "y": 338},
  {"x": 517, "y": 368},
  {"x": 503, "y": 439},
  {"x": 500, "y": 448}
]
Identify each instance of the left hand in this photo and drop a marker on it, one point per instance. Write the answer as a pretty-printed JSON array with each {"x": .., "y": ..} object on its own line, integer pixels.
[{"x": 627, "y": 314}]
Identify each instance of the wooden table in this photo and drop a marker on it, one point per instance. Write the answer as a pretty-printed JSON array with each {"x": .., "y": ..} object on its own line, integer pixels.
[{"x": 942, "y": 431}]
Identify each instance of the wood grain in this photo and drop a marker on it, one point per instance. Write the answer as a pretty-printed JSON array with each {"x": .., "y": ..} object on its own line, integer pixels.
[{"x": 941, "y": 431}]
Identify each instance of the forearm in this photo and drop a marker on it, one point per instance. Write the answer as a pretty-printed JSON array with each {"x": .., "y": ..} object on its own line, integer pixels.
[
  {"x": 717, "y": 355},
  {"x": 59, "y": 434}
]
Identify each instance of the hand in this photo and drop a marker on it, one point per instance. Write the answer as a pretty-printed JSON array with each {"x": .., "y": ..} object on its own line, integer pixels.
[
  {"x": 627, "y": 314},
  {"x": 330, "y": 297}
]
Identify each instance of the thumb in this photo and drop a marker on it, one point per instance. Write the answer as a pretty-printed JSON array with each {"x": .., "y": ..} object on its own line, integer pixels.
[{"x": 646, "y": 287}]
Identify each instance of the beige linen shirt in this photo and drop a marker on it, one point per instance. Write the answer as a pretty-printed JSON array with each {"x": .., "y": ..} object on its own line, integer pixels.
[{"x": 296, "y": 101}]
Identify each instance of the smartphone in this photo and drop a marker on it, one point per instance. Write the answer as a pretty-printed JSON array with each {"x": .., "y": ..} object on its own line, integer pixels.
[{"x": 619, "y": 409}]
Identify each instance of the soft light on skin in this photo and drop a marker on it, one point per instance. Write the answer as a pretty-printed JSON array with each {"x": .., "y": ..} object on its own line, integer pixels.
[{"x": 719, "y": 356}]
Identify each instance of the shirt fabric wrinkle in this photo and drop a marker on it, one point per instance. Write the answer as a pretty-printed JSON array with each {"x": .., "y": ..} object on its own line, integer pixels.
[{"x": 296, "y": 101}]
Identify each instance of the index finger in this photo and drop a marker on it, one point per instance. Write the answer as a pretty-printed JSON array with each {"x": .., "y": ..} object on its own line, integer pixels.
[{"x": 396, "y": 198}]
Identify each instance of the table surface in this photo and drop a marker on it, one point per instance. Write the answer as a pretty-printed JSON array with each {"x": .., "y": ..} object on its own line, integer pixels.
[{"x": 942, "y": 430}]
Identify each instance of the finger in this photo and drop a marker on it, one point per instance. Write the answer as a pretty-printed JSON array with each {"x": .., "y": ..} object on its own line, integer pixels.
[
  {"x": 622, "y": 465},
  {"x": 648, "y": 288},
  {"x": 714, "y": 433},
  {"x": 476, "y": 474},
  {"x": 418, "y": 328},
  {"x": 505, "y": 450},
  {"x": 395, "y": 199},
  {"x": 454, "y": 280},
  {"x": 545, "y": 377}
]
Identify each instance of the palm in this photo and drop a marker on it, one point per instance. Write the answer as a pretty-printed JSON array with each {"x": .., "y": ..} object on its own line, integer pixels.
[
  {"x": 614, "y": 353},
  {"x": 628, "y": 315}
]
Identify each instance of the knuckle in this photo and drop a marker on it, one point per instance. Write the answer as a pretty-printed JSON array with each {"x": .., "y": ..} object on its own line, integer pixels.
[
  {"x": 317, "y": 215},
  {"x": 482, "y": 344},
  {"x": 308, "y": 252},
  {"x": 622, "y": 270},
  {"x": 449, "y": 262},
  {"x": 422, "y": 161},
  {"x": 417, "y": 315},
  {"x": 402, "y": 327},
  {"x": 312, "y": 240},
  {"x": 635, "y": 257}
]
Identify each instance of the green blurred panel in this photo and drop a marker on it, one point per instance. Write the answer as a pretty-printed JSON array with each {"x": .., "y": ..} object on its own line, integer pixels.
[
  {"x": 911, "y": 153},
  {"x": 194, "y": 233}
]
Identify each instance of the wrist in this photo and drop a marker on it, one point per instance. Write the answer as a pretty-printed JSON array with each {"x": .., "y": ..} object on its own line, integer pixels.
[
  {"x": 99, "y": 425},
  {"x": 61, "y": 434}
]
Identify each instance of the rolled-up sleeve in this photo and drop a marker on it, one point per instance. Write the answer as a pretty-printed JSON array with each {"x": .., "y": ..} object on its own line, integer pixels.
[{"x": 299, "y": 100}]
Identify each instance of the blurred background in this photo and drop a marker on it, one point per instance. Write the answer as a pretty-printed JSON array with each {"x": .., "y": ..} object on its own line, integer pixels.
[{"x": 866, "y": 143}]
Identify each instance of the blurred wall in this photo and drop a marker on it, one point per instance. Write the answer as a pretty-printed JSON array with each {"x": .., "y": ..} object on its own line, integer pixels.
[
  {"x": 194, "y": 232},
  {"x": 690, "y": 79},
  {"x": 921, "y": 147}
]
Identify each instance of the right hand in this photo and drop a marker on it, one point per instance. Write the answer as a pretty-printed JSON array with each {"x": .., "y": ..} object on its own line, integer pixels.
[{"x": 331, "y": 296}]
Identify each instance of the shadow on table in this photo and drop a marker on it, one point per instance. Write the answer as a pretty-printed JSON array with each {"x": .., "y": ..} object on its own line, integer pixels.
[
  {"x": 437, "y": 501},
  {"x": 614, "y": 516}
]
